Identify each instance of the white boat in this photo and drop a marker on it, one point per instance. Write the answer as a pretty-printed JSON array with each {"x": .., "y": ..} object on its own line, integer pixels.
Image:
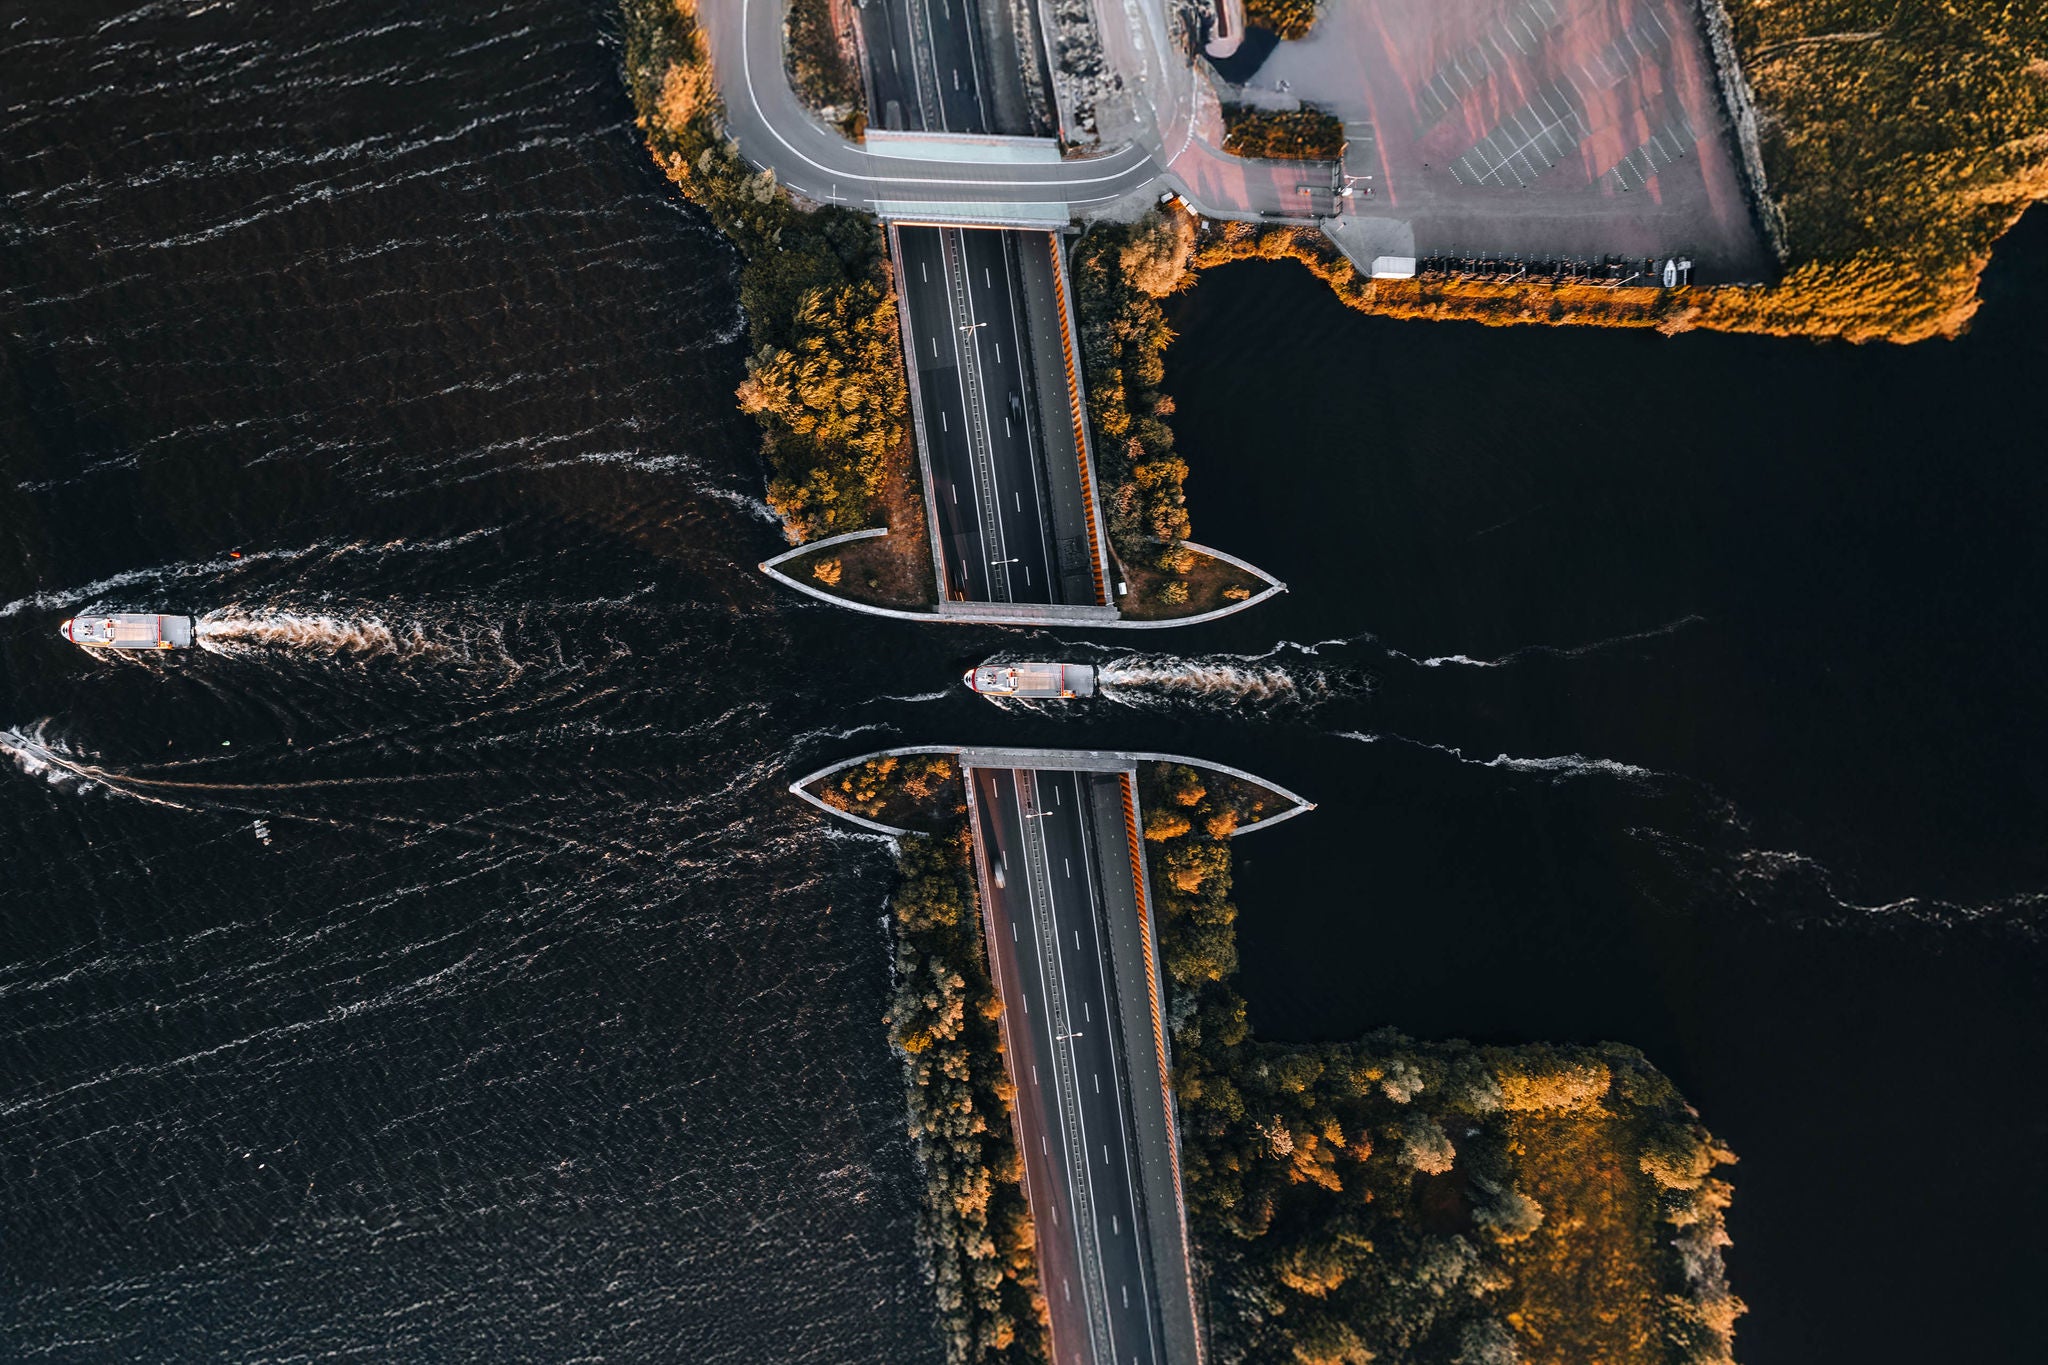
[
  {"x": 128, "y": 630},
  {"x": 1671, "y": 274},
  {"x": 1032, "y": 680}
]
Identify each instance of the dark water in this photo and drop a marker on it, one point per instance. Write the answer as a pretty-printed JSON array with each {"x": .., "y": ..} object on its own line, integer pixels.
[{"x": 543, "y": 1026}]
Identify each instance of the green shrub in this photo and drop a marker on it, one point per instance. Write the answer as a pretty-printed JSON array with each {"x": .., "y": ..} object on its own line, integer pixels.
[
  {"x": 1304, "y": 134},
  {"x": 1288, "y": 18},
  {"x": 1393, "y": 1200},
  {"x": 974, "y": 1223},
  {"x": 814, "y": 285},
  {"x": 1120, "y": 272}
]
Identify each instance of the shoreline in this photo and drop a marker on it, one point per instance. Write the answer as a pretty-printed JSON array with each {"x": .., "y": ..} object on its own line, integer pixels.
[{"x": 1882, "y": 201}]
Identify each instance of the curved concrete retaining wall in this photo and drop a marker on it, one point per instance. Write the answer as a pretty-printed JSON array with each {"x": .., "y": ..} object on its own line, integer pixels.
[
  {"x": 773, "y": 568},
  {"x": 1080, "y": 760}
]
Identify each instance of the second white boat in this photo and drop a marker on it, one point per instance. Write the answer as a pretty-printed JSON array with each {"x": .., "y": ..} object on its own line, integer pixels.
[{"x": 1038, "y": 680}]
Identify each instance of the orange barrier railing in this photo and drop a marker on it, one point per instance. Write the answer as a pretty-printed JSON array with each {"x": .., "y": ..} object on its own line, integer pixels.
[{"x": 1059, "y": 294}]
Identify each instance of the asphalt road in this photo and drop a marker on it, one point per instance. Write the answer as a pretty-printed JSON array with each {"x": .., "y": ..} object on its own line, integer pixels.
[
  {"x": 1052, "y": 967},
  {"x": 980, "y": 422},
  {"x": 924, "y": 61}
]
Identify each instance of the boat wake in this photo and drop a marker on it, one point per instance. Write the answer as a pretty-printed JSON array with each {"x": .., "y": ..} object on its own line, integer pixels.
[
  {"x": 1785, "y": 886},
  {"x": 38, "y": 754},
  {"x": 233, "y": 631},
  {"x": 1550, "y": 651},
  {"x": 1142, "y": 679},
  {"x": 1559, "y": 766}
]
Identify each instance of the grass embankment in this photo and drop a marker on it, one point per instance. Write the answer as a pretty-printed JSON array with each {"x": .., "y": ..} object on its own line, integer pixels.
[
  {"x": 1288, "y": 18},
  {"x": 1208, "y": 584},
  {"x": 1450, "y": 300},
  {"x": 882, "y": 571},
  {"x": 1304, "y": 134},
  {"x": 975, "y": 1225},
  {"x": 818, "y": 52},
  {"x": 825, "y": 376},
  {"x": 1395, "y": 1200},
  {"x": 1120, "y": 273},
  {"x": 1900, "y": 141}
]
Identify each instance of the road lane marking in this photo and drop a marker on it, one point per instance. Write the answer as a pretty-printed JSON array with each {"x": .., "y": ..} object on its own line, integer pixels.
[
  {"x": 1123, "y": 1129},
  {"x": 1039, "y": 455},
  {"x": 1071, "y": 1114},
  {"x": 1019, "y": 497},
  {"x": 925, "y": 275},
  {"x": 1070, "y": 867},
  {"x": 1034, "y": 1073},
  {"x": 1013, "y": 923},
  {"x": 1116, "y": 1226},
  {"x": 1098, "y": 1082},
  {"x": 986, "y": 281}
]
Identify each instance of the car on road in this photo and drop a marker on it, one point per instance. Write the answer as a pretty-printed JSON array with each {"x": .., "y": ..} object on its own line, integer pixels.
[{"x": 1016, "y": 406}]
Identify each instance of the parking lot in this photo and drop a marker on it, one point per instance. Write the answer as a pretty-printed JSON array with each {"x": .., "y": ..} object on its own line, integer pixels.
[{"x": 1527, "y": 125}]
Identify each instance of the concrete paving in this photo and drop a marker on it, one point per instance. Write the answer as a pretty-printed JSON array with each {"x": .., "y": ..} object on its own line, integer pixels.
[
  {"x": 1645, "y": 165},
  {"x": 1568, "y": 126}
]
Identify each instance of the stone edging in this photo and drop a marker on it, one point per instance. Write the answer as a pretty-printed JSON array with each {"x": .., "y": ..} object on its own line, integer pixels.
[{"x": 1740, "y": 103}]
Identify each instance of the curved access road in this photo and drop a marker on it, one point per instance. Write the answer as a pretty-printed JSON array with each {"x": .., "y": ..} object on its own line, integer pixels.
[
  {"x": 773, "y": 129},
  {"x": 1173, "y": 113}
]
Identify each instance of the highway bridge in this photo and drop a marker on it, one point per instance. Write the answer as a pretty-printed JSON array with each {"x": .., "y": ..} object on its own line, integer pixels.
[
  {"x": 1073, "y": 950},
  {"x": 997, "y": 403}
]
